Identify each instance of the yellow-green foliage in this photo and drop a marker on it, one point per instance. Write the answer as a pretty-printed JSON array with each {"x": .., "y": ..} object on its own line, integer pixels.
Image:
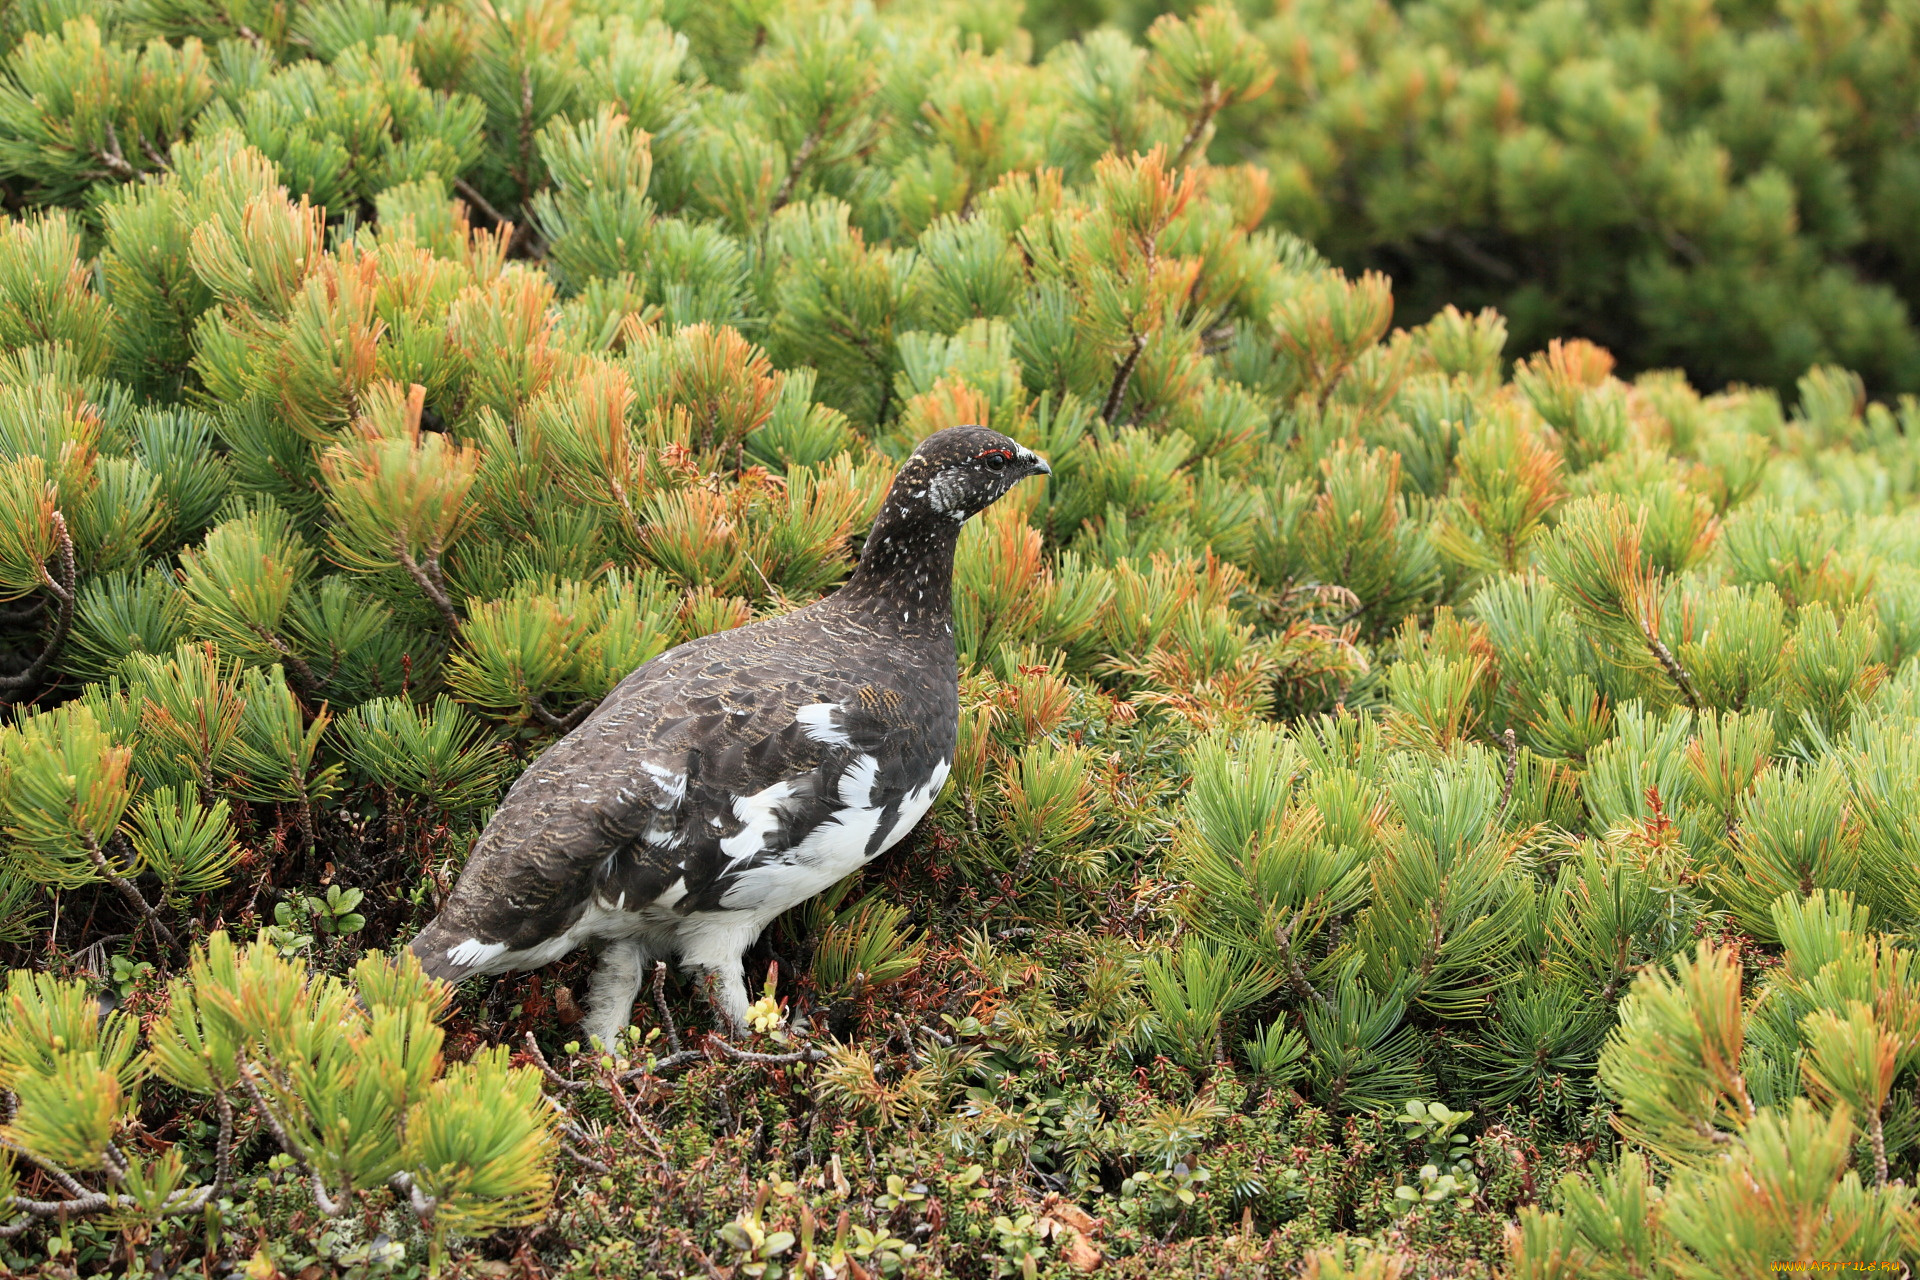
[
  {"x": 1353, "y": 719},
  {"x": 347, "y": 1079}
]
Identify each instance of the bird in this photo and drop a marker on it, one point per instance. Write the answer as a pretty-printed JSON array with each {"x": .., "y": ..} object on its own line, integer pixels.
[{"x": 739, "y": 774}]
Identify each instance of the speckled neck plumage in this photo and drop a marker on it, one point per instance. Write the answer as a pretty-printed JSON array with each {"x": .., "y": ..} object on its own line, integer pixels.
[{"x": 905, "y": 576}]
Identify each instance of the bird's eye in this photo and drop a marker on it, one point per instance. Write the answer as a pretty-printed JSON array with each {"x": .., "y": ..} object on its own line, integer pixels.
[{"x": 995, "y": 460}]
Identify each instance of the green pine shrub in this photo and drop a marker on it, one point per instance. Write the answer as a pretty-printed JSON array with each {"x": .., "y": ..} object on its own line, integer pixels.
[{"x": 1413, "y": 814}]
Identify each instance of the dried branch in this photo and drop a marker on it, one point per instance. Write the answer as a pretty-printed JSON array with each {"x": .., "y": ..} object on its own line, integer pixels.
[
  {"x": 63, "y": 587},
  {"x": 553, "y": 1077},
  {"x": 660, "y": 1004},
  {"x": 562, "y": 724},
  {"x": 433, "y": 584},
  {"x": 1121, "y": 376},
  {"x": 586, "y": 1162},
  {"x": 326, "y": 1203},
  {"x": 672, "y": 1062},
  {"x": 1209, "y": 106},
  {"x": 767, "y": 1059},
  {"x": 1675, "y": 672},
  {"x": 139, "y": 900}
]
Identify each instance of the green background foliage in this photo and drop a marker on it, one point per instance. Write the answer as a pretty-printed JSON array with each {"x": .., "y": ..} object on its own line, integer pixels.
[{"x": 1434, "y": 793}]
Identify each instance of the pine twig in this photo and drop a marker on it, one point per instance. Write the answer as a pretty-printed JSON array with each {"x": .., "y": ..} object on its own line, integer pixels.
[
  {"x": 1675, "y": 672},
  {"x": 472, "y": 196},
  {"x": 26, "y": 613},
  {"x": 1296, "y": 976},
  {"x": 133, "y": 895},
  {"x": 1117, "y": 392},
  {"x": 324, "y": 1202},
  {"x": 64, "y": 588},
  {"x": 660, "y": 1004},
  {"x": 800, "y": 160},
  {"x": 562, "y": 724},
  {"x": 68, "y": 1183},
  {"x": 1513, "y": 770},
  {"x": 223, "y": 1151},
  {"x": 422, "y": 1204},
  {"x": 525, "y": 170},
  {"x": 112, "y": 157},
  {"x": 299, "y": 672},
  {"x": 1209, "y": 106},
  {"x": 433, "y": 584}
]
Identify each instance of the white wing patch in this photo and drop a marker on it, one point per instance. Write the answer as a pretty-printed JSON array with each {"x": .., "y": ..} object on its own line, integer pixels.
[
  {"x": 760, "y": 812},
  {"x": 831, "y": 851},
  {"x": 856, "y": 784},
  {"x": 817, "y": 720},
  {"x": 914, "y": 805},
  {"x": 837, "y": 847},
  {"x": 473, "y": 952},
  {"x": 674, "y": 785}
]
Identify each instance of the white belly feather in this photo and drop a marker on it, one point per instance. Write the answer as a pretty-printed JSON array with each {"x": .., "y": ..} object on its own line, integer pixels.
[
  {"x": 833, "y": 850},
  {"x": 828, "y": 854}
]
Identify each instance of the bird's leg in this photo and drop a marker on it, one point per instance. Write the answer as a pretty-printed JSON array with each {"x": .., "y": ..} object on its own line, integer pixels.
[
  {"x": 717, "y": 955},
  {"x": 611, "y": 994},
  {"x": 725, "y": 986}
]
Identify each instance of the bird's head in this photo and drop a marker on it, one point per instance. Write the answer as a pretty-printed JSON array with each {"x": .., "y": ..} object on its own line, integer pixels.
[{"x": 962, "y": 471}]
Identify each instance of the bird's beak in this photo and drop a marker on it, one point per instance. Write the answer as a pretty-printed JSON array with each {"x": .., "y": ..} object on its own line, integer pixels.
[{"x": 1039, "y": 465}]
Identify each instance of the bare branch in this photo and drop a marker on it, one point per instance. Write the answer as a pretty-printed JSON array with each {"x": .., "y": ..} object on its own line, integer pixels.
[
  {"x": 62, "y": 585},
  {"x": 325, "y": 1202},
  {"x": 562, "y": 724},
  {"x": 767, "y": 1059},
  {"x": 660, "y": 1003},
  {"x": 1675, "y": 672},
  {"x": 433, "y": 584},
  {"x": 1117, "y": 392},
  {"x": 586, "y": 1162},
  {"x": 132, "y": 895},
  {"x": 553, "y": 1077},
  {"x": 1209, "y": 105}
]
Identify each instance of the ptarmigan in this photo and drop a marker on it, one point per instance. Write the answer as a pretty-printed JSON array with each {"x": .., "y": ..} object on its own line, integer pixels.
[{"x": 739, "y": 774}]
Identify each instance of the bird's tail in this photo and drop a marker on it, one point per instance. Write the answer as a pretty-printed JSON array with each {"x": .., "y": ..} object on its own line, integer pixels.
[{"x": 444, "y": 954}]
